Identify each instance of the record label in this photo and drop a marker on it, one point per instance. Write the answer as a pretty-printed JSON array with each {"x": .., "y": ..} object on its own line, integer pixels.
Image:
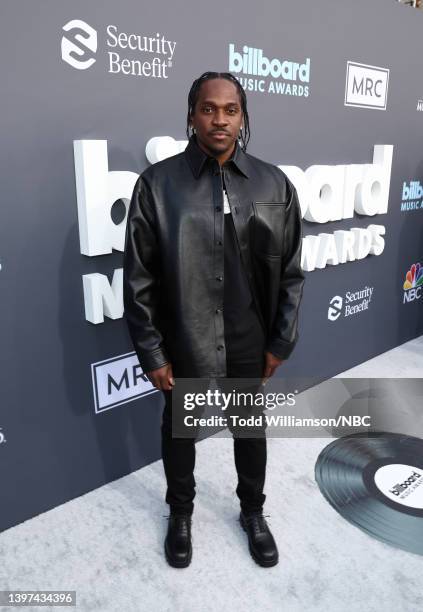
[{"x": 401, "y": 483}]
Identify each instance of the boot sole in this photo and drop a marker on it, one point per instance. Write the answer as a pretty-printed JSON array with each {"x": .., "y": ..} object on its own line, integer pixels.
[
  {"x": 174, "y": 563},
  {"x": 254, "y": 556}
]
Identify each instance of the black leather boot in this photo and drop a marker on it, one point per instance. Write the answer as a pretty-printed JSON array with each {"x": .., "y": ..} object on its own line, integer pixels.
[
  {"x": 178, "y": 547},
  {"x": 261, "y": 544}
]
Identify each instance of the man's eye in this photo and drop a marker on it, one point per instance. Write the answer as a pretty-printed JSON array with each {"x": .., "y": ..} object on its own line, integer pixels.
[
  {"x": 206, "y": 109},
  {"x": 232, "y": 111}
]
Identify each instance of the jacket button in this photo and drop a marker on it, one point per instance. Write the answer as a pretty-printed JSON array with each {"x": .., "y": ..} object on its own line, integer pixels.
[
  {"x": 218, "y": 208},
  {"x": 218, "y": 310},
  {"x": 219, "y": 278},
  {"x": 220, "y": 347},
  {"x": 219, "y": 242}
]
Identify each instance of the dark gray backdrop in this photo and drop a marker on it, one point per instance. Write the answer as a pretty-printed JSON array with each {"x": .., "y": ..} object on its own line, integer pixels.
[{"x": 53, "y": 445}]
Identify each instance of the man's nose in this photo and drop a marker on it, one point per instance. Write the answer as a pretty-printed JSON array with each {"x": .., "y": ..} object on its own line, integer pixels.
[{"x": 220, "y": 118}]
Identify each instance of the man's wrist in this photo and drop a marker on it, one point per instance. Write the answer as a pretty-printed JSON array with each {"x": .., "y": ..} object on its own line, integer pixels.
[
  {"x": 153, "y": 360},
  {"x": 280, "y": 348}
]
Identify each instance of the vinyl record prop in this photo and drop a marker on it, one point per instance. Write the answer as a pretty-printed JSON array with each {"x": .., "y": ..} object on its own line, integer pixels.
[{"x": 375, "y": 482}]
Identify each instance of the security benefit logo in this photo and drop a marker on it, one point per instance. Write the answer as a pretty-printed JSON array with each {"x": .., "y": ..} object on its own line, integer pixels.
[
  {"x": 366, "y": 86},
  {"x": 413, "y": 284},
  {"x": 79, "y": 44},
  {"x": 125, "y": 53},
  {"x": 117, "y": 381},
  {"x": 257, "y": 72},
  {"x": 412, "y": 196},
  {"x": 353, "y": 302}
]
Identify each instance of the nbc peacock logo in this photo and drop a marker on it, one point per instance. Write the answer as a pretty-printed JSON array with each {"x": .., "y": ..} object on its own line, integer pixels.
[{"x": 413, "y": 283}]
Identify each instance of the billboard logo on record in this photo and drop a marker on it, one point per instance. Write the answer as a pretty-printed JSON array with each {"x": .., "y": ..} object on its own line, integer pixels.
[
  {"x": 366, "y": 86},
  {"x": 401, "y": 483},
  {"x": 400, "y": 487},
  {"x": 78, "y": 49}
]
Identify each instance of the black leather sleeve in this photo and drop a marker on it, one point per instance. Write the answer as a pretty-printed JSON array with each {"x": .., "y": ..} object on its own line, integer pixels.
[
  {"x": 141, "y": 274},
  {"x": 284, "y": 334}
]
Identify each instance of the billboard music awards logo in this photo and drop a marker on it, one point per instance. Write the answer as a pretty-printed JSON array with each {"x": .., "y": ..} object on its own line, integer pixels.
[
  {"x": 401, "y": 483},
  {"x": 352, "y": 303},
  {"x": 413, "y": 284},
  {"x": 401, "y": 487},
  {"x": 366, "y": 86},
  {"x": 412, "y": 196},
  {"x": 260, "y": 73},
  {"x": 130, "y": 54}
]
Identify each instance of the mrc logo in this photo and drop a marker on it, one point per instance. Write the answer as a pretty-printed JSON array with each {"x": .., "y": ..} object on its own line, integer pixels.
[
  {"x": 118, "y": 380},
  {"x": 366, "y": 86},
  {"x": 413, "y": 283}
]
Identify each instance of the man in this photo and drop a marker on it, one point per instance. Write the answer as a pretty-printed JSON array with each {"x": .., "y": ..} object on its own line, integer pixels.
[{"x": 212, "y": 287}]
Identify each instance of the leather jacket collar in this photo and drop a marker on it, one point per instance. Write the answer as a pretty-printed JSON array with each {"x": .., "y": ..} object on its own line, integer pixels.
[{"x": 197, "y": 158}]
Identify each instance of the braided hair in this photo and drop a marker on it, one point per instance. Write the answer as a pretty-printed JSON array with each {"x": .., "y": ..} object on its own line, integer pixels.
[{"x": 195, "y": 90}]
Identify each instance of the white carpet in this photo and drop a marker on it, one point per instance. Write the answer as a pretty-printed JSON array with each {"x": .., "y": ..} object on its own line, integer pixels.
[{"x": 108, "y": 544}]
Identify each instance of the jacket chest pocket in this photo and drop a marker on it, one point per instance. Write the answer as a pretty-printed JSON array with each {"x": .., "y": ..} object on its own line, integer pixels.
[{"x": 268, "y": 227}]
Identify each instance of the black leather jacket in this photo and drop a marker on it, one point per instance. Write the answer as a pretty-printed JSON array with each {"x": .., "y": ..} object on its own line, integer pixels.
[{"x": 174, "y": 260}]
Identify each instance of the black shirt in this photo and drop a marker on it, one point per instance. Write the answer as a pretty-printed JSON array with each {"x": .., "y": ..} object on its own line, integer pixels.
[{"x": 244, "y": 336}]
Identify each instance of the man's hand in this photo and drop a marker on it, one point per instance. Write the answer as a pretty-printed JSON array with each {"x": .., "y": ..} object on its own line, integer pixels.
[
  {"x": 272, "y": 362},
  {"x": 162, "y": 378}
]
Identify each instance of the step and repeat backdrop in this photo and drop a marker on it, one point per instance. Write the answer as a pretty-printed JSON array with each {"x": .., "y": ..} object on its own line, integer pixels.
[{"x": 92, "y": 93}]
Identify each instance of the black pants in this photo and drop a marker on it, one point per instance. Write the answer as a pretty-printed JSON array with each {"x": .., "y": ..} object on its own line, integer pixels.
[{"x": 244, "y": 359}]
